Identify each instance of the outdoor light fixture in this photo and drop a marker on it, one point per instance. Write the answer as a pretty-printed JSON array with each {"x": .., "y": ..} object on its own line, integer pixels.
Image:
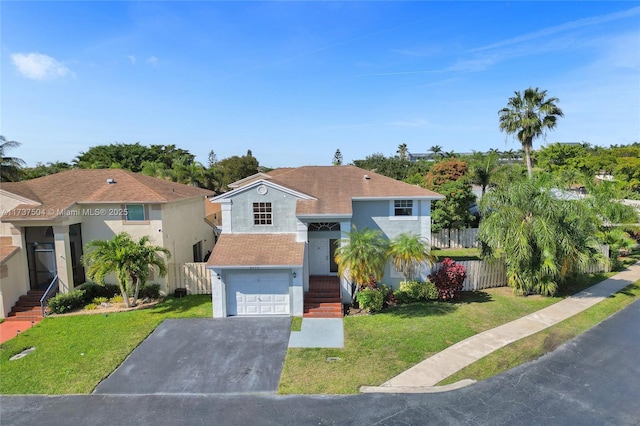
[{"x": 294, "y": 275}]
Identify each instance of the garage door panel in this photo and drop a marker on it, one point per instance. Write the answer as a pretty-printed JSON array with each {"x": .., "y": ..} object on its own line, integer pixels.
[{"x": 258, "y": 294}]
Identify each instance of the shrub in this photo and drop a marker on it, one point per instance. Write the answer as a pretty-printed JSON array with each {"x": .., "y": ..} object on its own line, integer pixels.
[
  {"x": 99, "y": 300},
  {"x": 152, "y": 291},
  {"x": 93, "y": 290},
  {"x": 65, "y": 302},
  {"x": 449, "y": 279},
  {"x": 370, "y": 299},
  {"x": 117, "y": 299},
  {"x": 90, "y": 306},
  {"x": 416, "y": 291}
]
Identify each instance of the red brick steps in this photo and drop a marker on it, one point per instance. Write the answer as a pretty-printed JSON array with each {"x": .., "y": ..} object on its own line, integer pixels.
[
  {"x": 323, "y": 298},
  {"x": 27, "y": 308}
]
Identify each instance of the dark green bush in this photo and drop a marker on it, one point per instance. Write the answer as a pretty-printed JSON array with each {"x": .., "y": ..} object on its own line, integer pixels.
[
  {"x": 65, "y": 302},
  {"x": 152, "y": 291},
  {"x": 93, "y": 290}
]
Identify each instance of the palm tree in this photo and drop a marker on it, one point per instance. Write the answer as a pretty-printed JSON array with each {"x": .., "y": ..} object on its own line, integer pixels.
[
  {"x": 436, "y": 151},
  {"x": 10, "y": 168},
  {"x": 361, "y": 256},
  {"x": 408, "y": 252},
  {"x": 482, "y": 168},
  {"x": 147, "y": 257},
  {"x": 156, "y": 169},
  {"x": 541, "y": 238},
  {"x": 128, "y": 259},
  {"x": 403, "y": 151},
  {"x": 529, "y": 116}
]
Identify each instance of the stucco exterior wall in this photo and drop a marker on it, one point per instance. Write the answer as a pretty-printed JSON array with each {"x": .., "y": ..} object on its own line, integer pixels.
[
  {"x": 283, "y": 207},
  {"x": 378, "y": 215},
  {"x": 13, "y": 282},
  {"x": 183, "y": 225}
]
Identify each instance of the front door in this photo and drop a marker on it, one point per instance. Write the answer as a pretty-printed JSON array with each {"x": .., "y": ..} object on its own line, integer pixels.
[
  {"x": 321, "y": 256},
  {"x": 318, "y": 257},
  {"x": 43, "y": 265}
]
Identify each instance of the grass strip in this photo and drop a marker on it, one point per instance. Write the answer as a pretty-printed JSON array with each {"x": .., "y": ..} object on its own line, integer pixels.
[
  {"x": 74, "y": 353},
  {"x": 533, "y": 347}
]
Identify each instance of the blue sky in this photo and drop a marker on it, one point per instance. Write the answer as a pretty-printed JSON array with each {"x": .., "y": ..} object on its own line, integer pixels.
[{"x": 294, "y": 81}]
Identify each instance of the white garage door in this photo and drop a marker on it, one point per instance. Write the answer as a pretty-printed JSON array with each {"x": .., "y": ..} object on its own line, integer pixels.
[{"x": 265, "y": 293}]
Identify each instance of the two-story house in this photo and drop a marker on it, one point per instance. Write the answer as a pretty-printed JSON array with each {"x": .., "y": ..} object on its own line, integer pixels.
[
  {"x": 280, "y": 230},
  {"x": 46, "y": 222}
]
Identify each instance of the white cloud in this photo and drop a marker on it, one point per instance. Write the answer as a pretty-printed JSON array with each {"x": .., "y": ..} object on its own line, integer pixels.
[
  {"x": 580, "y": 23},
  {"x": 132, "y": 59},
  {"x": 152, "y": 60},
  {"x": 37, "y": 66}
]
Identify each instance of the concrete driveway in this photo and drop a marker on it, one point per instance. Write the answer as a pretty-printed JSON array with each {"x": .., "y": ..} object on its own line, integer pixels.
[{"x": 205, "y": 356}]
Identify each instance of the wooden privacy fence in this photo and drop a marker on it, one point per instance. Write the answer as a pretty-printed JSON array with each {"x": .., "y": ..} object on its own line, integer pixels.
[
  {"x": 455, "y": 238},
  {"x": 195, "y": 277},
  {"x": 481, "y": 274}
]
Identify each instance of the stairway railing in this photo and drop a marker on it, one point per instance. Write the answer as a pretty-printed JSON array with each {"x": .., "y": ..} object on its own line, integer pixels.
[{"x": 48, "y": 293}]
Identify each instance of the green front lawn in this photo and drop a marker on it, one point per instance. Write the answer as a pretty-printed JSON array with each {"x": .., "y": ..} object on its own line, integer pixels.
[
  {"x": 379, "y": 347},
  {"x": 458, "y": 254},
  {"x": 74, "y": 353}
]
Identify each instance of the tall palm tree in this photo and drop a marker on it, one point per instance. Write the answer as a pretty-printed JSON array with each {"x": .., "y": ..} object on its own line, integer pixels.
[
  {"x": 128, "y": 259},
  {"x": 436, "y": 151},
  {"x": 529, "y": 116},
  {"x": 403, "y": 151},
  {"x": 408, "y": 252},
  {"x": 10, "y": 168},
  {"x": 482, "y": 168},
  {"x": 361, "y": 255},
  {"x": 541, "y": 238}
]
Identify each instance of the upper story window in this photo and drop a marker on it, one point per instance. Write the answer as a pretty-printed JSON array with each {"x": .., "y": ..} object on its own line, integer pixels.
[
  {"x": 262, "y": 214},
  {"x": 135, "y": 213},
  {"x": 403, "y": 208}
]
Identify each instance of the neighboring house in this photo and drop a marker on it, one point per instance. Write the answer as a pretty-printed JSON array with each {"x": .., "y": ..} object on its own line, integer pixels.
[
  {"x": 46, "y": 223},
  {"x": 280, "y": 230}
]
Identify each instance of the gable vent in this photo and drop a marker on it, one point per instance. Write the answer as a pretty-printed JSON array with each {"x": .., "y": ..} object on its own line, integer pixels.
[{"x": 111, "y": 181}]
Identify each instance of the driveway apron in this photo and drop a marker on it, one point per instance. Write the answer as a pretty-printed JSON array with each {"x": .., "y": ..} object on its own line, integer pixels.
[{"x": 205, "y": 356}]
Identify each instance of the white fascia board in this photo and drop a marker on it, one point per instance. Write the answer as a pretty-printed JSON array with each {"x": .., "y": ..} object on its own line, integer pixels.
[{"x": 257, "y": 183}]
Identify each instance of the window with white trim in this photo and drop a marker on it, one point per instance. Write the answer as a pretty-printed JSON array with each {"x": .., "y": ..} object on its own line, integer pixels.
[
  {"x": 262, "y": 214},
  {"x": 403, "y": 207}
]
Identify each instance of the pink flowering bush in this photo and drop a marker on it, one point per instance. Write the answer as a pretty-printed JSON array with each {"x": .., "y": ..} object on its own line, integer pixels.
[{"x": 448, "y": 279}]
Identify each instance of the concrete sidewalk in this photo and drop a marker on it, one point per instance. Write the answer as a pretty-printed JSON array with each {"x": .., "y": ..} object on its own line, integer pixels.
[
  {"x": 423, "y": 376},
  {"x": 318, "y": 333}
]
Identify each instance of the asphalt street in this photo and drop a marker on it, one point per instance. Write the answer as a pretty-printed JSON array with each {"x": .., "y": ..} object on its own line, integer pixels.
[{"x": 592, "y": 380}]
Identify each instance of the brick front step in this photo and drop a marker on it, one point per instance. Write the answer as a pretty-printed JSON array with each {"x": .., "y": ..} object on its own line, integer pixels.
[
  {"x": 18, "y": 308},
  {"x": 322, "y": 315},
  {"x": 22, "y": 319},
  {"x": 23, "y": 314},
  {"x": 320, "y": 299}
]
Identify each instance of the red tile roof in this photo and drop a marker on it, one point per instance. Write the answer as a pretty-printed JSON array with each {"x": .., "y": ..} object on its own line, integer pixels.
[{"x": 61, "y": 191}]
